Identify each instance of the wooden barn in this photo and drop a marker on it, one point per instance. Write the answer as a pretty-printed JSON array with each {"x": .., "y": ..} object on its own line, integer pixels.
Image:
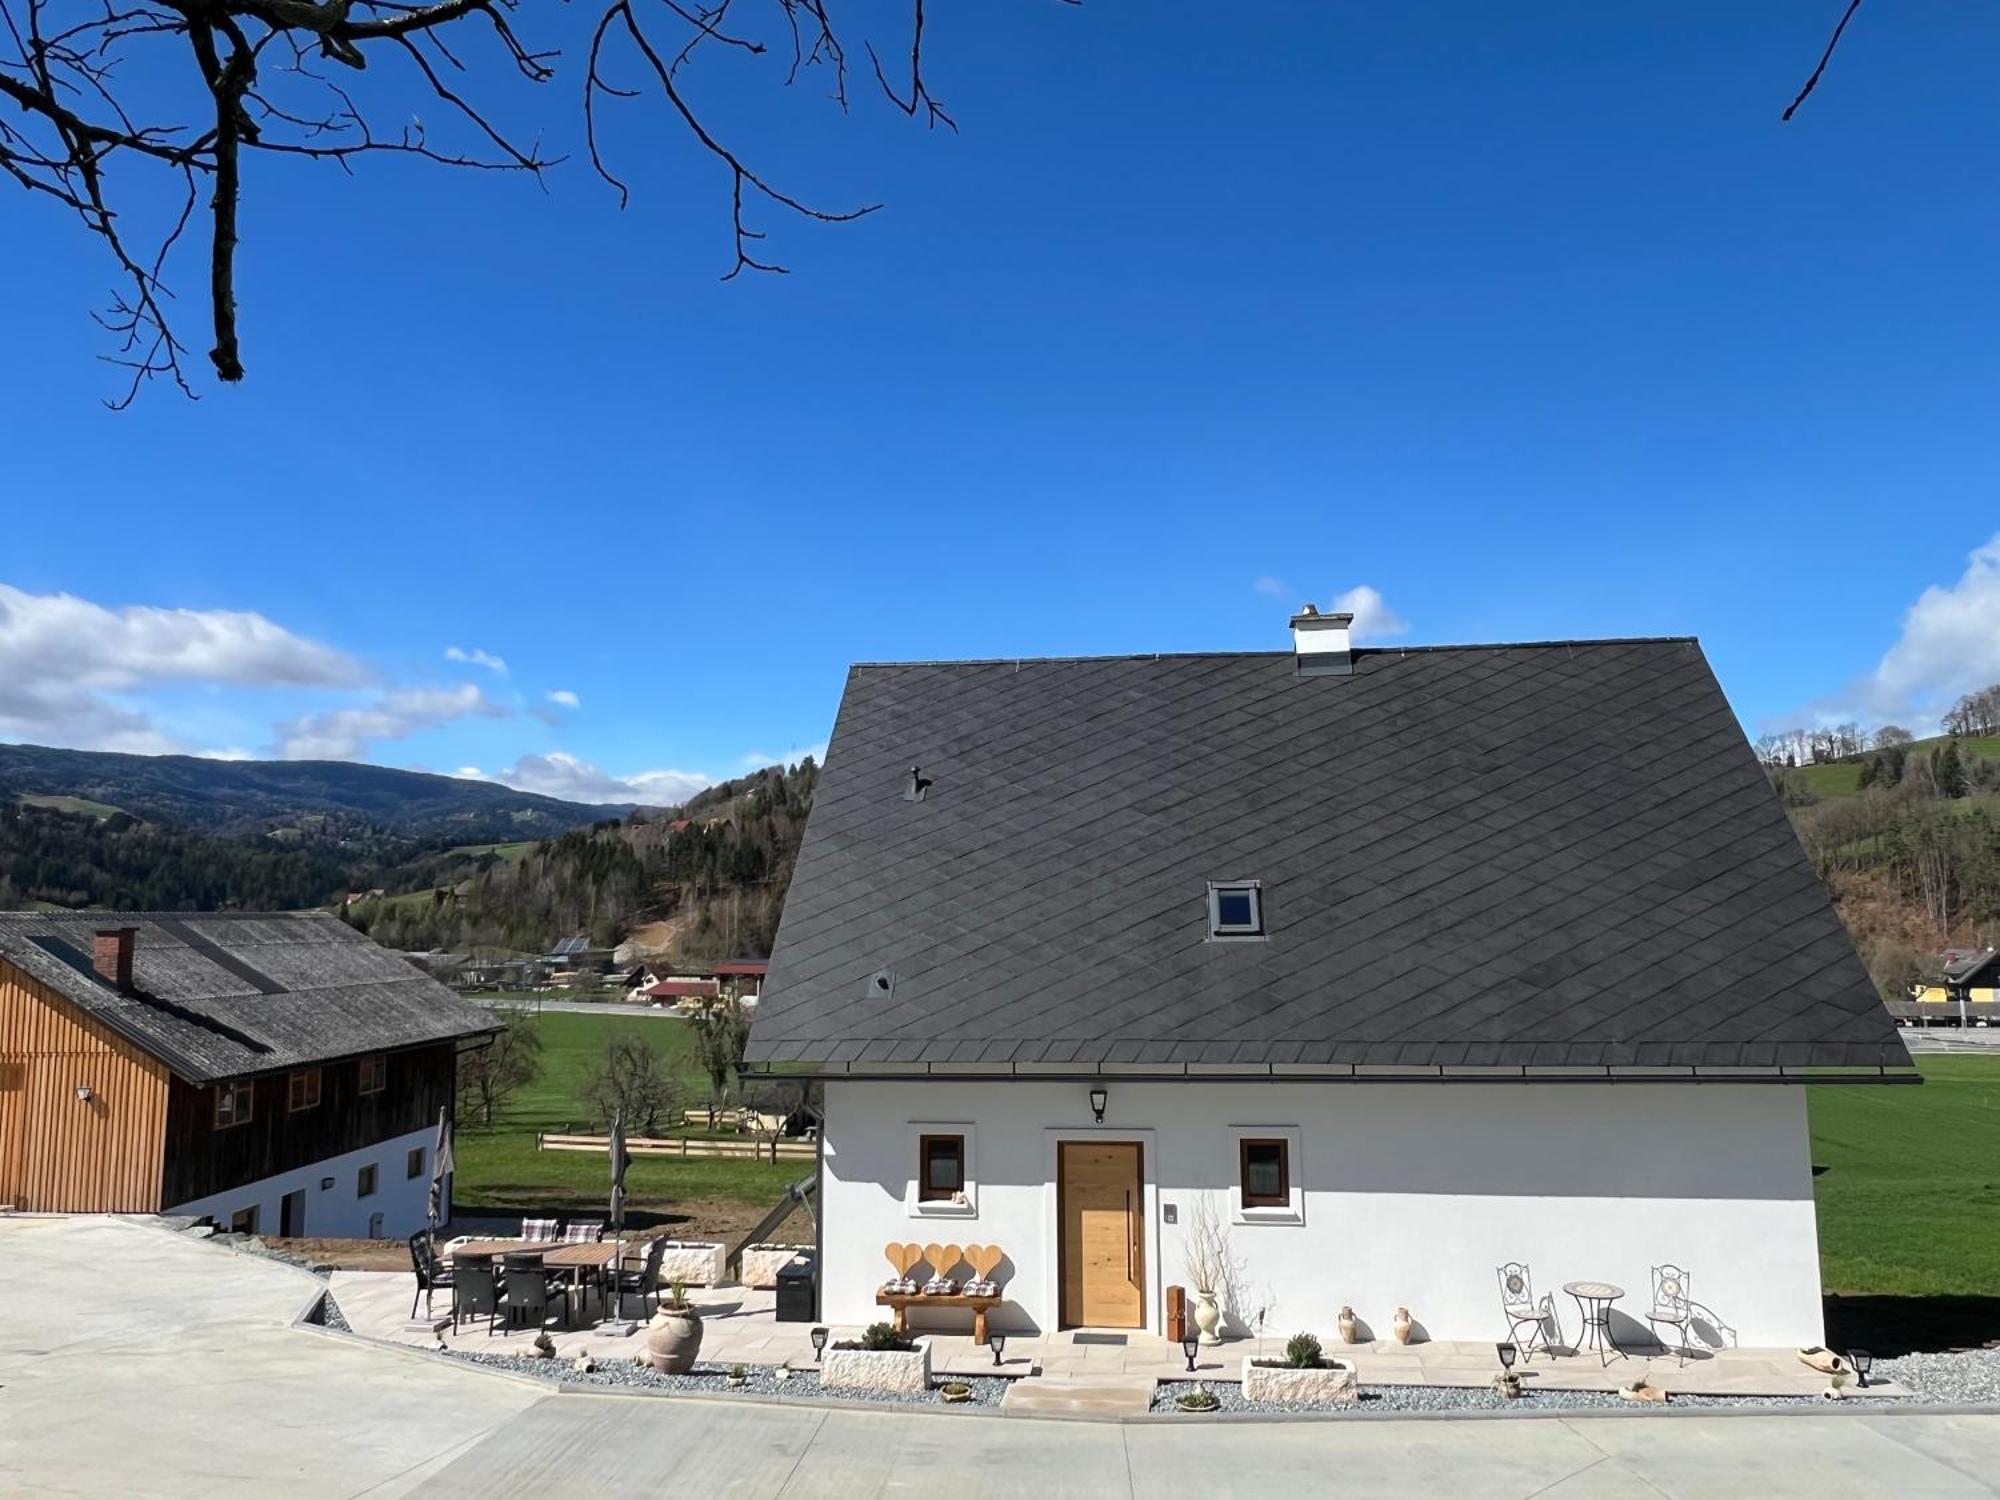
[{"x": 277, "y": 1072}]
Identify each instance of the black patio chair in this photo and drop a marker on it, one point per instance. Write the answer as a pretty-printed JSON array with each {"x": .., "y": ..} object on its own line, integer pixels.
[
  {"x": 475, "y": 1292},
  {"x": 641, "y": 1282},
  {"x": 527, "y": 1289},
  {"x": 431, "y": 1272}
]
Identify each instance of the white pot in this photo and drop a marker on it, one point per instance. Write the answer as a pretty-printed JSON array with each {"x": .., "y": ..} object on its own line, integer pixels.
[{"x": 1207, "y": 1317}]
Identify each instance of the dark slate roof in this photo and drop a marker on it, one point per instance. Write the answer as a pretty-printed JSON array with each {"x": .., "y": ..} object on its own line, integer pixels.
[
  {"x": 1553, "y": 855},
  {"x": 221, "y": 995},
  {"x": 1958, "y": 965}
]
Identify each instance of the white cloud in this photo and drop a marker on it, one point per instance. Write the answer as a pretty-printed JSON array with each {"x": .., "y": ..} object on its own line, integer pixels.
[
  {"x": 346, "y": 733},
  {"x": 1272, "y": 588},
  {"x": 1373, "y": 618},
  {"x": 476, "y": 658},
  {"x": 564, "y": 697},
  {"x": 560, "y": 774},
  {"x": 756, "y": 760},
  {"x": 60, "y": 656},
  {"x": 1949, "y": 646}
]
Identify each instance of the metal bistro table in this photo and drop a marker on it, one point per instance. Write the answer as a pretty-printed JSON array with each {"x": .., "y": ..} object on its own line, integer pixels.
[{"x": 1593, "y": 1305}]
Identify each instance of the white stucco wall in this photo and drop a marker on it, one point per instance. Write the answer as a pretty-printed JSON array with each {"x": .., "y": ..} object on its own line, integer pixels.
[
  {"x": 1409, "y": 1194},
  {"x": 401, "y": 1200}
]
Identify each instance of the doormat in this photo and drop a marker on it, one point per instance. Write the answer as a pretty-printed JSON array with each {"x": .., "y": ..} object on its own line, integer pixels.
[{"x": 1098, "y": 1338}]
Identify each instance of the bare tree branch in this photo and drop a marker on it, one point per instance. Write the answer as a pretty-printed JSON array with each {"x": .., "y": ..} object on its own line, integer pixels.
[
  {"x": 1824, "y": 58},
  {"x": 65, "y": 115}
]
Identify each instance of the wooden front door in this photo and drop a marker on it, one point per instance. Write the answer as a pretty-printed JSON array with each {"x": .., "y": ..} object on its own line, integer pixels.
[{"x": 1100, "y": 1201}]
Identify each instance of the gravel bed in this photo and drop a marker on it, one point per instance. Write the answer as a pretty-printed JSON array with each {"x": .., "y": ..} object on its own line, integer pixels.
[
  {"x": 328, "y": 1315},
  {"x": 1972, "y": 1376},
  {"x": 623, "y": 1373},
  {"x": 1387, "y": 1398}
]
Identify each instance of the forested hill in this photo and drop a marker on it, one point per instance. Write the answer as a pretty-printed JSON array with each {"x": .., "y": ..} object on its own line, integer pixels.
[
  {"x": 287, "y": 797},
  {"x": 706, "y": 880}
]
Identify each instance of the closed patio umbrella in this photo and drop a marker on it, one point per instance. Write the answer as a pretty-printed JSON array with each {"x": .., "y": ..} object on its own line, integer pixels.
[
  {"x": 441, "y": 1167},
  {"x": 619, "y": 1160}
]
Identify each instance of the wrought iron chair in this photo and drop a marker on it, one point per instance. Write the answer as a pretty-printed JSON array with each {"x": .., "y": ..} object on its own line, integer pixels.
[
  {"x": 1519, "y": 1307},
  {"x": 475, "y": 1292},
  {"x": 1672, "y": 1307},
  {"x": 431, "y": 1272}
]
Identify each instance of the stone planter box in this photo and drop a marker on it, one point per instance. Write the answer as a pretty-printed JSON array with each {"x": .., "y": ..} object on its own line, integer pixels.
[
  {"x": 1331, "y": 1383},
  {"x": 693, "y": 1263},
  {"x": 902, "y": 1371},
  {"x": 762, "y": 1263}
]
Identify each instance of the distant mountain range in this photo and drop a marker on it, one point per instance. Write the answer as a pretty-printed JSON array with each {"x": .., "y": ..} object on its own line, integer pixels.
[{"x": 312, "y": 797}]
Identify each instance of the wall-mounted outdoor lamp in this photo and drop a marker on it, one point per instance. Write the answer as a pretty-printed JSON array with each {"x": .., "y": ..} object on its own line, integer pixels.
[
  {"x": 83, "y": 1093},
  {"x": 326, "y": 1184},
  {"x": 1099, "y": 1097}
]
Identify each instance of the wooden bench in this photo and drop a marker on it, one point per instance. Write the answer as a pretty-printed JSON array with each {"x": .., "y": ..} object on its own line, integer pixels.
[
  {"x": 904, "y": 1301},
  {"x": 943, "y": 1260}
]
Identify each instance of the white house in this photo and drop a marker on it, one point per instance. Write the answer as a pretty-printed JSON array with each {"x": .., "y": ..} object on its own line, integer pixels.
[{"x": 1403, "y": 963}]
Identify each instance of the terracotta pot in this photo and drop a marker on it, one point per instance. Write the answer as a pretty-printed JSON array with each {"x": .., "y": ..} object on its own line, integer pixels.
[
  {"x": 1401, "y": 1327},
  {"x": 673, "y": 1340},
  {"x": 1207, "y": 1317},
  {"x": 1348, "y": 1327}
]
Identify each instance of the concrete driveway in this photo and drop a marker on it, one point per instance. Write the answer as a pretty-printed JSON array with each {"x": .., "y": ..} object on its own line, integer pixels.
[{"x": 135, "y": 1362}]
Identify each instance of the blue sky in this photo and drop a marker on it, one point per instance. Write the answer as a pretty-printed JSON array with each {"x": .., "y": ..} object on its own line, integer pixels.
[{"x": 1534, "y": 320}]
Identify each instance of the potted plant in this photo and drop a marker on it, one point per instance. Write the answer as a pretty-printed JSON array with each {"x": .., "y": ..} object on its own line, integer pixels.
[
  {"x": 880, "y": 1360},
  {"x": 739, "y": 1376},
  {"x": 955, "y": 1392},
  {"x": 1211, "y": 1266},
  {"x": 1200, "y": 1399},
  {"x": 1304, "y": 1375},
  {"x": 673, "y": 1336}
]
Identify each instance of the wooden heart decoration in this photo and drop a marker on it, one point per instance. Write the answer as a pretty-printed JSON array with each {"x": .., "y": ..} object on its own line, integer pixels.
[
  {"x": 902, "y": 1257},
  {"x": 943, "y": 1258},
  {"x": 984, "y": 1260}
]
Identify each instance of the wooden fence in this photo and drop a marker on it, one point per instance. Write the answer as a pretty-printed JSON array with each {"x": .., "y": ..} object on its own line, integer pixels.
[{"x": 773, "y": 1150}]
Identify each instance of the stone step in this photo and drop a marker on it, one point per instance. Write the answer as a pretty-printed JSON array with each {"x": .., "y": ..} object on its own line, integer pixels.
[{"x": 1079, "y": 1395}]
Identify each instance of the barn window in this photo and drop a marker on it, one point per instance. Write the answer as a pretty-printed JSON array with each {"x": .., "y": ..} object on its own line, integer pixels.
[
  {"x": 302, "y": 1090},
  {"x": 374, "y": 1074},
  {"x": 232, "y": 1104}
]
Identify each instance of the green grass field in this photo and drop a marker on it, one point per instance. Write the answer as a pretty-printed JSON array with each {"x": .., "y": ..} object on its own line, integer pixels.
[
  {"x": 1908, "y": 1183},
  {"x": 502, "y": 1170},
  {"x": 1842, "y": 778},
  {"x": 98, "y": 810},
  {"x": 511, "y": 854}
]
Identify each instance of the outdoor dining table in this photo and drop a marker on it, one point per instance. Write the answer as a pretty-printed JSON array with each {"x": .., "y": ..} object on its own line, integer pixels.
[
  {"x": 578, "y": 1258},
  {"x": 1593, "y": 1305}
]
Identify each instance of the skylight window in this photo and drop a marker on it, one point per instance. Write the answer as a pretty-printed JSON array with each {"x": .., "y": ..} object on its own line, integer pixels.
[{"x": 1235, "y": 909}]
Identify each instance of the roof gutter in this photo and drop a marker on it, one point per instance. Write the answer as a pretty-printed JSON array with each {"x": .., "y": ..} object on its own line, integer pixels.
[{"x": 1337, "y": 1073}]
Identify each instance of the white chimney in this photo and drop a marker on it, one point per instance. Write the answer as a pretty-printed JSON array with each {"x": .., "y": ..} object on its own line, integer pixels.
[{"x": 1321, "y": 644}]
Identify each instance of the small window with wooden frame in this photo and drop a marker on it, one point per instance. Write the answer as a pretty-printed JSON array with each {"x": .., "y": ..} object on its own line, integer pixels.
[
  {"x": 940, "y": 1168},
  {"x": 1266, "y": 1172},
  {"x": 374, "y": 1074},
  {"x": 232, "y": 1104},
  {"x": 302, "y": 1090}
]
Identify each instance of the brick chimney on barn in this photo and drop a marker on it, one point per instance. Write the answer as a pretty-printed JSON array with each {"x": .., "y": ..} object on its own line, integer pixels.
[{"x": 111, "y": 956}]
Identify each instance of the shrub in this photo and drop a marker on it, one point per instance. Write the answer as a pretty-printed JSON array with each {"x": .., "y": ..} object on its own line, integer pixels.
[
  {"x": 1200, "y": 1399},
  {"x": 883, "y": 1338},
  {"x": 1302, "y": 1351}
]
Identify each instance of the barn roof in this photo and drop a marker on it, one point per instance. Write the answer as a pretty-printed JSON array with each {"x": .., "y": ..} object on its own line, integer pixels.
[{"x": 222, "y": 995}]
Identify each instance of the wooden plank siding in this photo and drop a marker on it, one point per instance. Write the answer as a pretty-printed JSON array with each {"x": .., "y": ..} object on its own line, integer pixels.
[
  {"x": 59, "y": 1153},
  {"x": 202, "y": 1160}
]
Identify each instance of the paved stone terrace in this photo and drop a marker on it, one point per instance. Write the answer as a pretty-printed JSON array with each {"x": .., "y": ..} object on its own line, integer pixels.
[
  {"x": 137, "y": 1362},
  {"x": 740, "y": 1325}
]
